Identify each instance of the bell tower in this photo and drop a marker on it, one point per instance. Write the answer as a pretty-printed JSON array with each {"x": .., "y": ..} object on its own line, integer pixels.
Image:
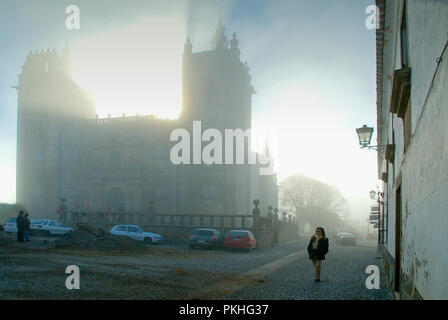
[
  {"x": 216, "y": 84},
  {"x": 47, "y": 99}
]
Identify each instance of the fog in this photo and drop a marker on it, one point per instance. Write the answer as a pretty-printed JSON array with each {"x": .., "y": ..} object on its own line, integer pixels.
[{"x": 308, "y": 63}]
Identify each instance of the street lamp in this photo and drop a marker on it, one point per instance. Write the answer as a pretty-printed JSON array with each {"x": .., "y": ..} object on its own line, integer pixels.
[
  {"x": 372, "y": 194},
  {"x": 365, "y": 135}
]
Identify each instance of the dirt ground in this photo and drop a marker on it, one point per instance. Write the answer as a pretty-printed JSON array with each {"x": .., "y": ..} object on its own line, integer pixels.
[{"x": 36, "y": 270}]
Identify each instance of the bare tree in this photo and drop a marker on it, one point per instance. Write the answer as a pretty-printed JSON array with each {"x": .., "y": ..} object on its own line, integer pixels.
[{"x": 313, "y": 201}]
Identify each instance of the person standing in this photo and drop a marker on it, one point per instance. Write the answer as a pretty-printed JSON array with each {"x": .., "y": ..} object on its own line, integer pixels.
[
  {"x": 20, "y": 226},
  {"x": 317, "y": 249},
  {"x": 27, "y": 227}
]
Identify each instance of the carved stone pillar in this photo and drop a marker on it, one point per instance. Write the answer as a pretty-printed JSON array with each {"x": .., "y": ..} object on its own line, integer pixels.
[
  {"x": 270, "y": 215},
  {"x": 256, "y": 213}
]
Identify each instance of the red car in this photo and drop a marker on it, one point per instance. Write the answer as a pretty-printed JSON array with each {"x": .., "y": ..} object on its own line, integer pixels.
[{"x": 240, "y": 239}]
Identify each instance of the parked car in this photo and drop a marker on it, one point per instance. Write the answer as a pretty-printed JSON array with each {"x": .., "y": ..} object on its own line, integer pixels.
[
  {"x": 346, "y": 238},
  {"x": 241, "y": 239},
  {"x": 48, "y": 227},
  {"x": 35, "y": 230},
  {"x": 209, "y": 238},
  {"x": 136, "y": 233},
  {"x": 11, "y": 225}
]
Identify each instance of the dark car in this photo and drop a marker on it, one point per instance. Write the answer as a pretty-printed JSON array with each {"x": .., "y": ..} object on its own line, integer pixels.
[{"x": 205, "y": 238}]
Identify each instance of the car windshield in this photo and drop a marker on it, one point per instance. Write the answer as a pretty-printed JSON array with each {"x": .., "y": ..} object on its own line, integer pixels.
[
  {"x": 204, "y": 233},
  {"x": 36, "y": 221},
  {"x": 10, "y": 220}
]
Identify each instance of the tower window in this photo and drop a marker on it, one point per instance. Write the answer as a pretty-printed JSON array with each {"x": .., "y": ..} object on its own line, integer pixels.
[{"x": 404, "y": 40}]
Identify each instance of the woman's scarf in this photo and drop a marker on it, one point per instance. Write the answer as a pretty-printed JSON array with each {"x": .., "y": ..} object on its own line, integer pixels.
[{"x": 316, "y": 242}]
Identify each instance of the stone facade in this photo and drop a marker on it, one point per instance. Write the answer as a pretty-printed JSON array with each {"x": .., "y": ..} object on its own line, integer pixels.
[
  {"x": 123, "y": 164},
  {"x": 412, "y": 75}
]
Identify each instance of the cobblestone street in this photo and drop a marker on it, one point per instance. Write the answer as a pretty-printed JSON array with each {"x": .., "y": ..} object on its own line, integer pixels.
[{"x": 342, "y": 278}]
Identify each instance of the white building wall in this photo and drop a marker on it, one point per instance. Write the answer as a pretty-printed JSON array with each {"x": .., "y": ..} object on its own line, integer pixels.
[
  {"x": 425, "y": 170},
  {"x": 388, "y": 69},
  {"x": 424, "y": 167}
]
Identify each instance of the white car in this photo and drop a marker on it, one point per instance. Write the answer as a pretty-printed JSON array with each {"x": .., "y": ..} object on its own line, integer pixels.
[
  {"x": 135, "y": 232},
  {"x": 11, "y": 225},
  {"x": 46, "y": 226},
  {"x": 39, "y": 227}
]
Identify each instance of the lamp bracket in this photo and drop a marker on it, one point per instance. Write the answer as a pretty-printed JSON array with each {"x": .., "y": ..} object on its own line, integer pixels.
[{"x": 379, "y": 148}]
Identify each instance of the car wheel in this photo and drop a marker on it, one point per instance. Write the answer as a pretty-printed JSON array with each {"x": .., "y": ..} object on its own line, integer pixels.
[
  {"x": 148, "y": 240},
  {"x": 192, "y": 246}
]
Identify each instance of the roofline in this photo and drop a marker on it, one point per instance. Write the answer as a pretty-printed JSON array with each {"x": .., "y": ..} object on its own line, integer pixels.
[{"x": 381, "y": 4}]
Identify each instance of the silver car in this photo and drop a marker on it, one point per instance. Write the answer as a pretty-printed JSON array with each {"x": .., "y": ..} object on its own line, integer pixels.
[
  {"x": 346, "y": 238},
  {"x": 11, "y": 225},
  {"x": 50, "y": 227},
  {"x": 136, "y": 233}
]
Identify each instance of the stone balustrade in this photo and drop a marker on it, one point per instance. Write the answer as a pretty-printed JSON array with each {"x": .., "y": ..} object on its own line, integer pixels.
[
  {"x": 209, "y": 221},
  {"x": 268, "y": 229}
]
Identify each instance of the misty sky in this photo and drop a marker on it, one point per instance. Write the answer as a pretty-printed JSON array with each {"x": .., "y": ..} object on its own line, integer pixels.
[{"x": 312, "y": 65}]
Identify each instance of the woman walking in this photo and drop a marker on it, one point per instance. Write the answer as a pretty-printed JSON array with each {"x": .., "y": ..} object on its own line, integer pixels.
[{"x": 317, "y": 249}]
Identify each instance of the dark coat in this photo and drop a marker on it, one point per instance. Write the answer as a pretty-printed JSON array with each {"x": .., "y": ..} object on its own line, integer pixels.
[
  {"x": 20, "y": 221},
  {"x": 322, "y": 248},
  {"x": 26, "y": 224}
]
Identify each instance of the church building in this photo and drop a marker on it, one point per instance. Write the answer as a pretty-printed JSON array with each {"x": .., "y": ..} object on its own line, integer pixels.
[{"x": 122, "y": 164}]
